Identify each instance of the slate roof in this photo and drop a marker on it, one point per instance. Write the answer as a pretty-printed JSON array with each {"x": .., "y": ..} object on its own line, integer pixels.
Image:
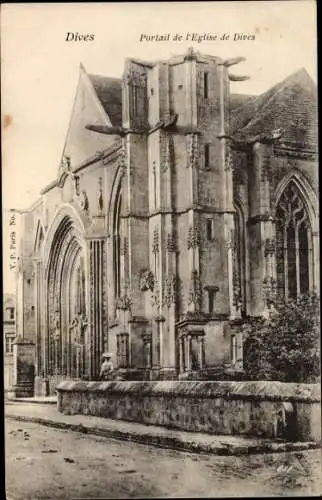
[
  {"x": 109, "y": 92},
  {"x": 290, "y": 105},
  {"x": 238, "y": 100}
]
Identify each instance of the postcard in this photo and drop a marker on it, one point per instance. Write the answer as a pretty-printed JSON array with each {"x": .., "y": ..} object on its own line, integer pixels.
[{"x": 161, "y": 249}]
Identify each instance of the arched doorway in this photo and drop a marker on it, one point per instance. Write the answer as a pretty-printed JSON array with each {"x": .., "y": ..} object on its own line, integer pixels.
[{"x": 66, "y": 303}]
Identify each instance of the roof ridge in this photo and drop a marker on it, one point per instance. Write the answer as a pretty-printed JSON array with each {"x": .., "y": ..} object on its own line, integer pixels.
[{"x": 104, "y": 76}]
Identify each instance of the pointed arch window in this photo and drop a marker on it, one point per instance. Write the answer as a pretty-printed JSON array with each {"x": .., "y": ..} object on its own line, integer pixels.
[
  {"x": 239, "y": 266},
  {"x": 293, "y": 244},
  {"x": 117, "y": 244}
]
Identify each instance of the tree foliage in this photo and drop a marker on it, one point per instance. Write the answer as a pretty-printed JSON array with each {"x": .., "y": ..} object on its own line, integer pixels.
[{"x": 285, "y": 346}]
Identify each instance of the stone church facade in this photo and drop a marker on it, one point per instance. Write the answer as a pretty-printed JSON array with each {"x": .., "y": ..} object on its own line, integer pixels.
[{"x": 178, "y": 211}]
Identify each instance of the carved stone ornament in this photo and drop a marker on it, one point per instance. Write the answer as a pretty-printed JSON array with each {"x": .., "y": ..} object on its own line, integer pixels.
[
  {"x": 228, "y": 159},
  {"x": 84, "y": 201},
  {"x": 237, "y": 295},
  {"x": 229, "y": 244},
  {"x": 122, "y": 160},
  {"x": 100, "y": 195},
  {"x": 155, "y": 241},
  {"x": 269, "y": 247},
  {"x": 146, "y": 280},
  {"x": 124, "y": 246},
  {"x": 79, "y": 325},
  {"x": 64, "y": 170},
  {"x": 76, "y": 185},
  {"x": 156, "y": 298},
  {"x": 240, "y": 140},
  {"x": 195, "y": 292},
  {"x": 65, "y": 164},
  {"x": 135, "y": 78},
  {"x": 165, "y": 152},
  {"x": 124, "y": 303},
  {"x": 193, "y": 237},
  {"x": 170, "y": 289},
  {"x": 192, "y": 150},
  {"x": 55, "y": 332},
  {"x": 172, "y": 243}
]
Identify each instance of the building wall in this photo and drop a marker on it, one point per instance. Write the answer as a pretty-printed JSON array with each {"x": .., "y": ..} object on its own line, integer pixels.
[
  {"x": 181, "y": 181},
  {"x": 9, "y": 335}
]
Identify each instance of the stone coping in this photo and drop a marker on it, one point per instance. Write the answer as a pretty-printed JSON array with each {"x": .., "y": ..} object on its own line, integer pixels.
[{"x": 259, "y": 390}]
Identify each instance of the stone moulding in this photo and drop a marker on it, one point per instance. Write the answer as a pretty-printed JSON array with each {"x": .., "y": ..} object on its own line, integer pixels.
[{"x": 269, "y": 391}]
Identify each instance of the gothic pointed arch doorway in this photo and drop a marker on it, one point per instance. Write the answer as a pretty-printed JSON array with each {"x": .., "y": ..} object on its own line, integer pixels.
[{"x": 66, "y": 310}]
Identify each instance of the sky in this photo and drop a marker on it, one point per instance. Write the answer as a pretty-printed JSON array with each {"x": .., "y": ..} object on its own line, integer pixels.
[{"x": 40, "y": 69}]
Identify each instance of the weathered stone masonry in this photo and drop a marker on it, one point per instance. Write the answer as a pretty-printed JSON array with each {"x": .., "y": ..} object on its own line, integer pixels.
[{"x": 158, "y": 237}]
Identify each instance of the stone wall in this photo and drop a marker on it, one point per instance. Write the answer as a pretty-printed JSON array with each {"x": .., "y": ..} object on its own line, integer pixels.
[{"x": 233, "y": 408}]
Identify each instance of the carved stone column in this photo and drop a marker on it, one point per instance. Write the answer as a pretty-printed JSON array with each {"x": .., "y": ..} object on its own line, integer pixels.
[
  {"x": 97, "y": 305},
  {"x": 188, "y": 347},
  {"x": 201, "y": 341},
  {"x": 156, "y": 339},
  {"x": 261, "y": 229},
  {"x": 38, "y": 316},
  {"x": 181, "y": 354}
]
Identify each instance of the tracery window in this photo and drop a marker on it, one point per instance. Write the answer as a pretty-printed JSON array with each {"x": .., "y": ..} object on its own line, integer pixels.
[{"x": 293, "y": 244}]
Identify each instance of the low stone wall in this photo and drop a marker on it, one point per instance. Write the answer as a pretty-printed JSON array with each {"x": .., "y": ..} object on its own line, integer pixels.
[{"x": 266, "y": 409}]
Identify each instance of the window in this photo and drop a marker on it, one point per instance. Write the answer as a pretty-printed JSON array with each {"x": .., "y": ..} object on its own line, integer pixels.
[
  {"x": 210, "y": 229},
  {"x": 9, "y": 338},
  {"x": 10, "y": 313},
  {"x": 207, "y": 155},
  {"x": 293, "y": 238},
  {"x": 212, "y": 290},
  {"x": 205, "y": 85},
  {"x": 211, "y": 301}
]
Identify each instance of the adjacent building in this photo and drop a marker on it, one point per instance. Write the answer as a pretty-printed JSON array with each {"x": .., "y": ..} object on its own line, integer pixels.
[
  {"x": 178, "y": 211},
  {"x": 9, "y": 335}
]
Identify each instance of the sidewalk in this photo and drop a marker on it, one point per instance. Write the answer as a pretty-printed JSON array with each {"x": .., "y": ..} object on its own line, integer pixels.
[
  {"x": 47, "y": 414},
  {"x": 52, "y": 400}
]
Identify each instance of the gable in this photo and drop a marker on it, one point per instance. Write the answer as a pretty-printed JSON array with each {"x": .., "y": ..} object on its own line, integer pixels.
[{"x": 81, "y": 144}]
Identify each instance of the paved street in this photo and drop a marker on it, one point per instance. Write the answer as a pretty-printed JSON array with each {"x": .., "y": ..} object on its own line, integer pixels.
[{"x": 42, "y": 462}]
